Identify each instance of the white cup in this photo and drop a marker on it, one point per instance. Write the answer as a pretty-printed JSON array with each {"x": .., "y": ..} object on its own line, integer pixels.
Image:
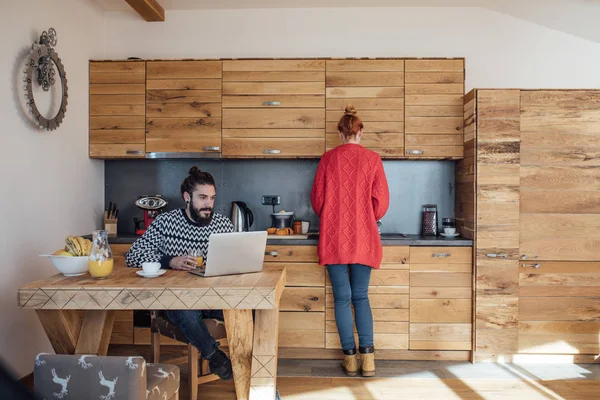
[
  {"x": 449, "y": 231},
  {"x": 151, "y": 267},
  {"x": 305, "y": 225}
]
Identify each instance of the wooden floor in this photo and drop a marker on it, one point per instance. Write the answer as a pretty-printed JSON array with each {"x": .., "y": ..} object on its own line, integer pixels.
[{"x": 430, "y": 380}]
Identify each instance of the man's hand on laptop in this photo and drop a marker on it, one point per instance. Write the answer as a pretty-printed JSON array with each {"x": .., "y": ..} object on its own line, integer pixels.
[{"x": 183, "y": 263}]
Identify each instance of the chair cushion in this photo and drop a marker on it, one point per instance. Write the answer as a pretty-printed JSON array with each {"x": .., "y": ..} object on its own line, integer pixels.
[
  {"x": 161, "y": 379},
  {"x": 84, "y": 377}
]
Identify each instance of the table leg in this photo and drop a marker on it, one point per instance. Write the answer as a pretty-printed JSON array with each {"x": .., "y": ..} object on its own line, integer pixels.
[
  {"x": 264, "y": 355},
  {"x": 239, "y": 326},
  {"x": 62, "y": 328},
  {"x": 69, "y": 335},
  {"x": 95, "y": 332}
]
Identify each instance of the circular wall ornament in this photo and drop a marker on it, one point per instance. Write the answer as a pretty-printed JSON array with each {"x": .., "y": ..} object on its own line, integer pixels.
[{"x": 40, "y": 69}]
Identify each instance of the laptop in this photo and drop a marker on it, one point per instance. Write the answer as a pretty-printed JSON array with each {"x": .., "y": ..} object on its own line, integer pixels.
[{"x": 234, "y": 253}]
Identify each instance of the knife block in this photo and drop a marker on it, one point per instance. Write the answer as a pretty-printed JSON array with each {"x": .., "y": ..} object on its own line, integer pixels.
[{"x": 110, "y": 225}]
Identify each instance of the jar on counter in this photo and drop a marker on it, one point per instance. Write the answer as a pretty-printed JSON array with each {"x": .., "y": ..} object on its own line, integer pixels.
[
  {"x": 100, "y": 261},
  {"x": 297, "y": 227}
]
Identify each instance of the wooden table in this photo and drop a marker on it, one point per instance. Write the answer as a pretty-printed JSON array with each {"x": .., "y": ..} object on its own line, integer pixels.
[{"x": 253, "y": 344}]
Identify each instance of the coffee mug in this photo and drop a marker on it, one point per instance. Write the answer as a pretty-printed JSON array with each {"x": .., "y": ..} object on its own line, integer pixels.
[
  {"x": 305, "y": 225},
  {"x": 150, "y": 267},
  {"x": 449, "y": 231}
]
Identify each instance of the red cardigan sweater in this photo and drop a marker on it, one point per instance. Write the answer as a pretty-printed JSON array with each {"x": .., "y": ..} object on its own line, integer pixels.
[{"x": 349, "y": 194}]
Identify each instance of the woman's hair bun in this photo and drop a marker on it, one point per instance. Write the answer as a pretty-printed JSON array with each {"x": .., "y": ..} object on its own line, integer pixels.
[{"x": 350, "y": 110}]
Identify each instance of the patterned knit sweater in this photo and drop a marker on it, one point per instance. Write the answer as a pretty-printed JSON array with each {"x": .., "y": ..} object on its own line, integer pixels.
[
  {"x": 174, "y": 234},
  {"x": 350, "y": 193}
]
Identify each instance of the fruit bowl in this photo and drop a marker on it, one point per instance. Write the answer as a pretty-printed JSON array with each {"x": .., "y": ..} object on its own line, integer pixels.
[{"x": 69, "y": 266}]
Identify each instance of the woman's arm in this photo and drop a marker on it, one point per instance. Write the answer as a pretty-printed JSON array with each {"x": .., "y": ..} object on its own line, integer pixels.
[
  {"x": 380, "y": 192},
  {"x": 317, "y": 196}
]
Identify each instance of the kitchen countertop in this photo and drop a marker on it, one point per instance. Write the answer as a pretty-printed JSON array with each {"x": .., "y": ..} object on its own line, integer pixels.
[{"x": 387, "y": 239}]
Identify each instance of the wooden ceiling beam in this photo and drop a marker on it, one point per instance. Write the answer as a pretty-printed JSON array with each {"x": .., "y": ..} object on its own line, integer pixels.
[{"x": 150, "y": 10}]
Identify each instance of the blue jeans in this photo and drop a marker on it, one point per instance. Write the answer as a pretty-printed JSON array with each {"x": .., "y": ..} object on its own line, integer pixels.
[
  {"x": 352, "y": 288},
  {"x": 193, "y": 327}
]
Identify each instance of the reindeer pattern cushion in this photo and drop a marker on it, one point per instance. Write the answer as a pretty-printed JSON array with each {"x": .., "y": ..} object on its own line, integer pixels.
[{"x": 85, "y": 377}]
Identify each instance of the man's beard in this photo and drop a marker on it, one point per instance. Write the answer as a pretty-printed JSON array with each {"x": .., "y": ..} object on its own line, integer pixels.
[{"x": 199, "y": 219}]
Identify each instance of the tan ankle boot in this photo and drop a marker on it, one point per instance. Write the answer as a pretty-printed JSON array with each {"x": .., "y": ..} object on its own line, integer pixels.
[
  {"x": 350, "y": 364},
  {"x": 367, "y": 362}
]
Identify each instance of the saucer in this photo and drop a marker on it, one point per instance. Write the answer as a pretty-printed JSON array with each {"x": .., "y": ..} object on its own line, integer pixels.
[
  {"x": 145, "y": 275},
  {"x": 450, "y": 236}
]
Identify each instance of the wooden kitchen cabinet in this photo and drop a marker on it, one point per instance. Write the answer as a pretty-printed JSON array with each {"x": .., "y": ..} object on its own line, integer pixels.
[
  {"x": 117, "y": 109},
  {"x": 434, "y": 108},
  {"x": 273, "y": 108},
  {"x": 183, "y": 106},
  {"x": 376, "y": 89},
  {"x": 441, "y": 298},
  {"x": 534, "y": 174}
]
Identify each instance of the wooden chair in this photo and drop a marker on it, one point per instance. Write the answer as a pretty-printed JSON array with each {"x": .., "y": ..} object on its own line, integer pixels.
[{"x": 199, "y": 373}]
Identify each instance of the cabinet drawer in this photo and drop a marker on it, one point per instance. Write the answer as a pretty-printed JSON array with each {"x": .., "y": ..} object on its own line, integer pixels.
[
  {"x": 274, "y": 65},
  {"x": 279, "y": 101},
  {"x": 112, "y": 136},
  {"x": 379, "y": 314},
  {"x": 303, "y": 299},
  {"x": 301, "y": 274},
  {"x": 283, "y": 118},
  {"x": 117, "y": 150},
  {"x": 301, "y": 329},
  {"x": 378, "y": 327},
  {"x": 396, "y": 255},
  {"x": 441, "y": 255},
  {"x": 433, "y": 151},
  {"x": 383, "y": 341},
  {"x": 440, "y": 310},
  {"x": 559, "y": 279},
  {"x": 273, "y": 88},
  {"x": 271, "y": 147},
  {"x": 383, "y": 301},
  {"x": 440, "y": 336},
  {"x": 183, "y": 135},
  {"x": 278, "y": 253},
  {"x": 184, "y": 69}
]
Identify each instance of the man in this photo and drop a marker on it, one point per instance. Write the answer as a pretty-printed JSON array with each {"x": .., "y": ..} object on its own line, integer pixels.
[{"x": 170, "y": 239}]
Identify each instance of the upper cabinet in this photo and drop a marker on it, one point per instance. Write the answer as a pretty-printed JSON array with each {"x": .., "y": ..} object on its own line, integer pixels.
[
  {"x": 376, "y": 89},
  {"x": 183, "y": 106},
  {"x": 434, "y": 108},
  {"x": 117, "y": 109},
  {"x": 273, "y": 108}
]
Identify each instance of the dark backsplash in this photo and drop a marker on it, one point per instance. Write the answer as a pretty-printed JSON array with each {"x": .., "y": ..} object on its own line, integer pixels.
[{"x": 412, "y": 184}]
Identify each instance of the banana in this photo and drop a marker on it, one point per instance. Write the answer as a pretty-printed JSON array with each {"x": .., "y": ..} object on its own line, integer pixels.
[
  {"x": 82, "y": 245},
  {"x": 69, "y": 247},
  {"x": 74, "y": 244},
  {"x": 88, "y": 249}
]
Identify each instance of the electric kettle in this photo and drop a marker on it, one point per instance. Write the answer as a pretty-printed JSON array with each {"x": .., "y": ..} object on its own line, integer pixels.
[{"x": 241, "y": 216}]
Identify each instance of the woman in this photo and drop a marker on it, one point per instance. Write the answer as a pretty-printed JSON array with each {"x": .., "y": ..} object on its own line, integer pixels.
[{"x": 349, "y": 194}]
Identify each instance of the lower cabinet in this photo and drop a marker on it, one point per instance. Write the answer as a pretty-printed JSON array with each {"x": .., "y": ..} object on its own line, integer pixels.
[
  {"x": 421, "y": 299},
  {"x": 441, "y": 298}
]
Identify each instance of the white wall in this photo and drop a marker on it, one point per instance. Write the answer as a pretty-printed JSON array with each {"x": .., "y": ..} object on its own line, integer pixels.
[
  {"x": 49, "y": 186},
  {"x": 501, "y": 51}
]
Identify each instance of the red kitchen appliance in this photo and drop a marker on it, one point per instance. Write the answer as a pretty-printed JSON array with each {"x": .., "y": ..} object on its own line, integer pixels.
[{"x": 152, "y": 206}]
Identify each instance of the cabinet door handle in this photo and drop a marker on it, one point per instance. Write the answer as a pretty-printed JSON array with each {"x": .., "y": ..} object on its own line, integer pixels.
[
  {"x": 440, "y": 255},
  {"x": 532, "y": 265},
  {"x": 499, "y": 255},
  {"x": 271, "y": 253},
  {"x": 272, "y": 151},
  {"x": 525, "y": 257},
  {"x": 415, "y": 152},
  {"x": 271, "y": 103},
  {"x": 135, "y": 152},
  {"x": 212, "y": 148}
]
